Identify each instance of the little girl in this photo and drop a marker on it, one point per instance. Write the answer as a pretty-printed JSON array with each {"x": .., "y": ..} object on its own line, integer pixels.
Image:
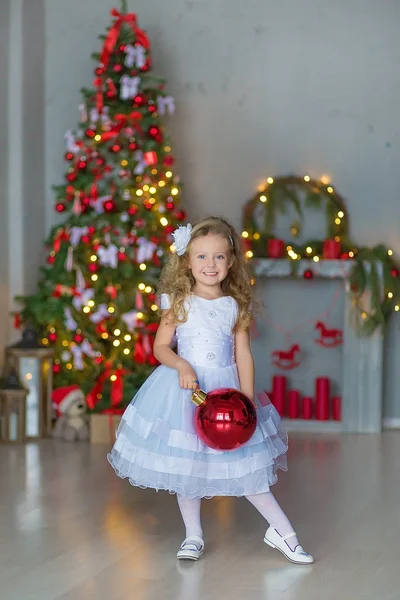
[{"x": 206, "y": 300}]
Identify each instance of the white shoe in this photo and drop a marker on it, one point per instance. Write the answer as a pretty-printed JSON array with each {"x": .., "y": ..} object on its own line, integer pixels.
[
  {"x": 298, "y": 555},
  {"x": 191, "y": 549}
]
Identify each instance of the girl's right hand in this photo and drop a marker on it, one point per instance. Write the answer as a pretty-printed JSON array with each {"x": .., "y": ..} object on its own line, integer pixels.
[{"x": 187, "y": 376}]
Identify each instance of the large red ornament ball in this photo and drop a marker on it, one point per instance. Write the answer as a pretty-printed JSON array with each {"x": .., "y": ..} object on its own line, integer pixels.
[{"x": 225, "y": 420}]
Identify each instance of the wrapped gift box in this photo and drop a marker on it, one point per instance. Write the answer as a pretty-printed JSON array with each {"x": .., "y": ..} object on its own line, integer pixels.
[{"x": 103, "y": 428}]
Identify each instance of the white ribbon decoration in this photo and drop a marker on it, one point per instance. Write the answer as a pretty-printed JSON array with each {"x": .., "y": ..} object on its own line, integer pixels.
[
  {"x": 145, "y": 250},
  {"x": 100, "y": 314},
  {"x": 129, "y": 87},
  {"x": 166, "y": 102},
  {"x": 129, "y": 319},
  {"x": 108, "y": 256},
  {"x": 69, "y": 261},
  {"x": 141, "y": 163},
  {"x": 69, "y": 321},
  {"x": 83, "y": 112},
  {"x": 79, "y": 351},
  {"x": 82, "y": 298},
  {"x": 76, "y": 233},
  {"x": 98, "y": 204},
  {"x": 135, "y": 55},
  {"x": 96, "y": 116},
  {"x": 70, "y": 143},
  {"x": 80, "y": 280}
]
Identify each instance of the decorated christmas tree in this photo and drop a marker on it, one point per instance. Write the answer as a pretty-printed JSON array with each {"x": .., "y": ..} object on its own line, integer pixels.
[{"x": 96, "y": 303}]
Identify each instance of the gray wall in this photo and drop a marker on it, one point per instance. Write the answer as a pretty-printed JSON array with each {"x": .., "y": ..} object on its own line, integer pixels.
[{"x": 262, "y": 87}]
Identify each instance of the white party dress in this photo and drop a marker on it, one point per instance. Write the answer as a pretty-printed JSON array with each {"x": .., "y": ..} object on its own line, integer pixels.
[{"x": 156, "y": 444}]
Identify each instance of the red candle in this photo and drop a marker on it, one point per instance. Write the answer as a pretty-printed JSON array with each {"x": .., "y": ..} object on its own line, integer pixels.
[
  {"x": 331, "y": 249},
  {"x": 336, "y": 408},
  {"x": 293, "y": 402},
  {"x": 307, "y": 407},
  {"x": 279, "y": 393},
  {"x": 275, "y": 248},
  {"x": 322, "y": 399}
]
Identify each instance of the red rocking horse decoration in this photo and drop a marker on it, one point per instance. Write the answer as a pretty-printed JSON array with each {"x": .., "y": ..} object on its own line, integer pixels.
[
  {"x": 329, "y": 338},
  {"x": 286, "y": 359}
]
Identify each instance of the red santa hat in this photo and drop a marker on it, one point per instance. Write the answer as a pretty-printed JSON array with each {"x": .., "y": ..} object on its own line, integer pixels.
[{"x": 64, "y": 397}]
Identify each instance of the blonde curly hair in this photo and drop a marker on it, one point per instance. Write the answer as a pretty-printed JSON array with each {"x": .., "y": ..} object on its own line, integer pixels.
[{"x": 177, "y": 280}]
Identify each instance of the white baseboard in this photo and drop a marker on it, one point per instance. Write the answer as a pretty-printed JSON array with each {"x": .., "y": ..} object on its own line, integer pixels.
[
  {"x": 312, "y": 425},
  {"x": 391, "y": 423}
]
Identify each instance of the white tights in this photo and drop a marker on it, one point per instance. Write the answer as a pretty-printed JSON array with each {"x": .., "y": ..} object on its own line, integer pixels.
[{"x": 265, "y": 503}]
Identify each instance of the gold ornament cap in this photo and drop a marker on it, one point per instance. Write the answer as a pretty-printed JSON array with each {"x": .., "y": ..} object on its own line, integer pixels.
[{"x": 199, "y": 397}]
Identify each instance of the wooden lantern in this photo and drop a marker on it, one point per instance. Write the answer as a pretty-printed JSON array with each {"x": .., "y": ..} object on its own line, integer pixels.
[
  {"x": 34, "y": 365},
  {"x": 12, "y": 410}
]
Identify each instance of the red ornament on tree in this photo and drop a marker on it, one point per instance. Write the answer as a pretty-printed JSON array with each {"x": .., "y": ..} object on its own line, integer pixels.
[
  {"x": 122, "y": 256},
  {"x": 93, "y": 268},
  {"x": 152, "y": 108},
  {"x": 395, "y": 272},
  {"x": 51, "y": 259},
  {"x": 132, "y": 210},
  {"x": 133, "y": 146},
  {"x": 154, "y": 131},
  {"x": 56, "y": 368},
  {"x": 90, "y": 133},
  {"x": 91, "y": 230},
  {"x": 78, "y": 338},
  {"x": 109, "y": 206},
  {"x": 60, "y": 207},
  {"x": 225, "y": 418},
  {"x": 99, "y": 71},
  {"x": 71, "y": 176},
  {"x": 69, "y": 156},
  {"x": 117, "y": 68},
  {"x": 52, "y": 337},
  {"x": 150, "y": 158},
  {"x": 85, "y": 239},
  {"x": 115, "y": 148},
  {"x": 139, "y": 99},
  {"x": 169, "y": 161},
  {"x": 308, "y": 274}
]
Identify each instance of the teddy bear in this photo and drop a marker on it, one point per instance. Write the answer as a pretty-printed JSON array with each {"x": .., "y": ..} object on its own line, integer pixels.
[{"x": 72, "y": 422}]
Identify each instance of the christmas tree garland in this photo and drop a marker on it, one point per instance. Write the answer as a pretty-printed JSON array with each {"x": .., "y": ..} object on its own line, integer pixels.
[{"x": 375, "y": 269}]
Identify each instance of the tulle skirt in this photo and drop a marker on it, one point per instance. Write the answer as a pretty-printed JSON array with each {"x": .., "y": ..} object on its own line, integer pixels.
[{"x": 157, "y": 446}]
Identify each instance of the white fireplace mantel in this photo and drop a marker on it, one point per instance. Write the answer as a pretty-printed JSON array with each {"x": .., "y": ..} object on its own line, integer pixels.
[{"x": 362, "y": 386}]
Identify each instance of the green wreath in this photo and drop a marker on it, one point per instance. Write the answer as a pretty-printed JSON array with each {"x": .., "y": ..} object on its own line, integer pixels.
[{"x": 375, "y": 269}]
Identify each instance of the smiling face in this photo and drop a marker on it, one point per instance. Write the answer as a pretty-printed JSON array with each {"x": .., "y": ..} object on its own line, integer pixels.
[{"x": 210, "y": 260}]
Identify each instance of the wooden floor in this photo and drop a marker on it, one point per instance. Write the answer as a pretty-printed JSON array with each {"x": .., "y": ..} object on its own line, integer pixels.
[{"x": 71, "y": 530}]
